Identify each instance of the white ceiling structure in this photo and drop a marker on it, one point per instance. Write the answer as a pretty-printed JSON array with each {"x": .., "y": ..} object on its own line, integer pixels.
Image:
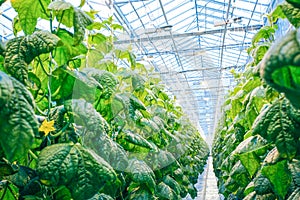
[{"x": 192, "y": 44}]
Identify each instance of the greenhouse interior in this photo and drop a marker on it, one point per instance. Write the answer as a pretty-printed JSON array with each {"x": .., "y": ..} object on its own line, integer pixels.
[{"x": 150, "y": 99}]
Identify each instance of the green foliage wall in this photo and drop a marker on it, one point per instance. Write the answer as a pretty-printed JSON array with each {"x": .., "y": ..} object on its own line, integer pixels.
[
  {"x": 75, "y": 124},
  {"x": 257, "y": 145}
]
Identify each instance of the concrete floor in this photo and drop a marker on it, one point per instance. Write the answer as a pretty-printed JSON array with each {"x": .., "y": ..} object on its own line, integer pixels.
[{"x": 207, "y": 184}]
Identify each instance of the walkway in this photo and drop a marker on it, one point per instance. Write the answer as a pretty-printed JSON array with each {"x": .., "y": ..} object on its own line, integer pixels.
[{"x": 207, "y": 184}]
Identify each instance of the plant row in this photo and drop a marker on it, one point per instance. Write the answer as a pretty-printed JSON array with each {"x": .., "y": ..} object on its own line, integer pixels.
[
  {"x": 81, "y": 119},
  {"x": 256, "y": 150}
]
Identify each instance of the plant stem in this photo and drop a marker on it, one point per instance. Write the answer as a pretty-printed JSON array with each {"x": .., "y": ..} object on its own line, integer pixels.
[
  {"x": 59, "y": 23},
  {"x": 33, "y": 155},
  {"x": 49, "y": 92},
  {"x": 2, "y": 48},
  {"x": 44, "y": 10},
  {"x": 5, "y": 189},
  {"x": 61, "y": 131},
  {"x": 43, "y": 68}
]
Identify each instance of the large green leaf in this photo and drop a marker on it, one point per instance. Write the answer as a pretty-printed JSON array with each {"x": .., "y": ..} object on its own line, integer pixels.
[
  {"x": 280, "y": 66},
  {"x": 81, "y": 21},
  {"x": 101, "y": 196},
  {"x": 130, "y": 105},
  {"x": 262, "y": 185},
  {"x": 135, "y": 139},
  {"x": 279, "y": 176},
  {"x": 96, "y": 129},
  {"x": 250, "y": 144},
  {"x": 84, "y": 86},
  {"x": 84, "y": 114},
  {"x": 105, "y": 78},
  {"x": 70, "y": 16},
  {"x": 29, "y": 11},
  {"x": 172, "y": 183},
  {"x": 141, "y": 173},
  {"x": 292, "y": 13},
  {"x": 141, "y": 194},
  {"x": 275, "y": 125},
  {"x": 18, "y": 123},
  {"x": 67, "y": 52},
  {"x": 22, "y": 50},
  {"x": 80, "y": 170},
  {"x": 296, "y": 193},
  {"x": 295, "y": 3},
  {"x": 294, "y": 167},
  {"x": 109, "y": 150},
  {"x": 163, "y": 191},
  {"x": 64, "y": 12},
  {"x": 61, "y": 85},
  {"x": 250, "y": 161}
]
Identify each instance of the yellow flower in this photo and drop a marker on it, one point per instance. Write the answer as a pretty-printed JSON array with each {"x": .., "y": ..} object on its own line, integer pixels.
[{"x": 47, "y": 127}]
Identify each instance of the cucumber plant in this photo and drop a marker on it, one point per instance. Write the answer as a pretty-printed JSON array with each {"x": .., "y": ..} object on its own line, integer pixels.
[
  {"x": 256, "y": 147},
  {"x": 82, "y": 119}
]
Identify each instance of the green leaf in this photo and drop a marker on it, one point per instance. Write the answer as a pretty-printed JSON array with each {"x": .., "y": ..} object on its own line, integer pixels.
[
  {"x": 136, "y": 139},
  {"x": 292, "y": 14},
  {"x": 272, "y": 157},
  {"x": 16, "y": 25},
  {"x": 67, "y": 52},
  {"x": 172, "y": 183},
  {"x": 29, "y": 11},
  {"x": 93, "y": 58},
  {"x": 275, "y": 125},
  {"x": 279, "y": 176},
  {"x": 277, "y": 14},
  {"x": 81, "y": 21},
  {"x": 141, "y": 194},
  {"x": 62, "y": 193},
  {"x": 18, "y": 123},
  {"x": 84, "y": 87},
  {"x": 163, "y": 191},
  {"x": 82, "y": 2},
  {"x": 280, "y": 66},
  {"x": 59, "y": 5},
  {"x": 9, "y": 193},
  {"x": 259, "y": 52},
  {"x": 85, "y": 114},
  {"x": 286, "y": 145},
  {"x": 64, "y": 12},
  {"x": 79, "y": 169},
  {"x": 117, "y": 26},
  {"x": 265, "y": 32},
  {"x": 250, "y": 161},
  {"x": 96, "y": 38},
  {"x": 250, "y": 144},
  {"x": 295, "y": 195},
  {"x": 295, "y": 3},
  {"x": 262, "y": 185},
  {"x": 141, "y": 173},
  {"x": 129, "y": 56},
  {"x": 7, "y": 168},
  {"x": 239, "y": 174},
  {"x": 2, "y": 1},
  {"x": 294, "y": 167},
  {"x": 101, "y": 196},
  {"x": 25, "y": 177},
  {"x": 96, "y": 128},
  {"x": 105, "y": 78},
  {"x": 22, "y": 50},
  {"x": 61, "y": 85}
]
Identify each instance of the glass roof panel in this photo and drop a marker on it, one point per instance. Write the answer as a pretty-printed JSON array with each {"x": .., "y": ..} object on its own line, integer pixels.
[{"x": 192, "y": 44}]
